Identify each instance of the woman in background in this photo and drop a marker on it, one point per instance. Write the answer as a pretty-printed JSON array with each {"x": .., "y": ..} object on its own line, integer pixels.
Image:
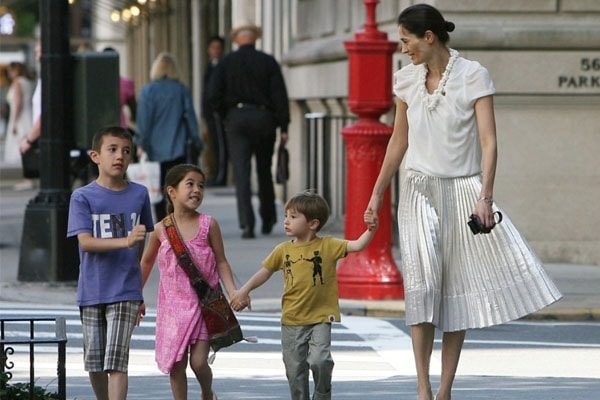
[
  {"x": 20, "y": 118},
  {"x": 166, "y": 120}
]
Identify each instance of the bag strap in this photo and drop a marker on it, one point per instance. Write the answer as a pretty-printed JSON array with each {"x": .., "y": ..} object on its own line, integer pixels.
[{"x": 184, "y": 259}]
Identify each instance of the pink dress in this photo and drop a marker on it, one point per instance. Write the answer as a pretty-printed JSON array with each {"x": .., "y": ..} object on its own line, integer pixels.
[{"x": 179, "y": 323}]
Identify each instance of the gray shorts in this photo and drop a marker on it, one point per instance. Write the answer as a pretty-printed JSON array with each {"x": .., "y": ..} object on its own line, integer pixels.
[{"x": 107, "y": 330}]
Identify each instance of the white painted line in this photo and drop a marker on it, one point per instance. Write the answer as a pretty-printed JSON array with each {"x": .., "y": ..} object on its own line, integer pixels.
[{"x": 391, "y": 343}]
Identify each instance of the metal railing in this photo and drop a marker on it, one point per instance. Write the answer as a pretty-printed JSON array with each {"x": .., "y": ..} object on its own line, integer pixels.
[
  {"x": 326, "y": 160},
  {"x": 326, "y": 166},
  {"x": 60, "y": 339}
]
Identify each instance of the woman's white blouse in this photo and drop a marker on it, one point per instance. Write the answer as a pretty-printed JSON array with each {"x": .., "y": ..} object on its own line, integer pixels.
[{"x": 443, "y": 138}]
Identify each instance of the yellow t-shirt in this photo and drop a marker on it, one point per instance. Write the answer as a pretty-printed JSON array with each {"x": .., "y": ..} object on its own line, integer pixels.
[{"x": 310, "y": 294}]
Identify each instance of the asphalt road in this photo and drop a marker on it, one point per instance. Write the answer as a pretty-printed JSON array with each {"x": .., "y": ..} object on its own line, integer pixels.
[{"x": 519, "y": 360}]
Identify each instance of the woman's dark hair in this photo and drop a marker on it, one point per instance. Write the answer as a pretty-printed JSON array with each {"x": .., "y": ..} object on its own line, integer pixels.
[
  {"x": 176, "y": 175},
  {"x": 421, "y": 18},
  {"x": 216, "y": 39}
]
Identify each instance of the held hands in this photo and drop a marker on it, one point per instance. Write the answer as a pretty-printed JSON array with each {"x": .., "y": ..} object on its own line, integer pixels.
[
  {"x": 240, "y": 300},
  {"x": 137, "y": 235},
  {"x": 371, "y": 220}
]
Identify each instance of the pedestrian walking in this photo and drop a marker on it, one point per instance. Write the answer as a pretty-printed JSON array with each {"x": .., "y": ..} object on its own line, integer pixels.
[
  {"x": 310, "y": 295},
  {"x": 453, "y": 280},
  {"x": 180, "y": 328},
  {"x": 30, "y": 140},
  {"x": 166, "y": 120},
  {"x": 248, "y": 90},
  {"x": 19, "y": 121},
  {"x": 110, "y": 217},
  {"x": 219, "y": 159},
  {"x": 127, "y": 102}
]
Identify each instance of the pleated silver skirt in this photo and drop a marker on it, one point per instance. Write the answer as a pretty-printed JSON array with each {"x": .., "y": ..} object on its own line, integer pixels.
[{"x": 457, "y": 280}]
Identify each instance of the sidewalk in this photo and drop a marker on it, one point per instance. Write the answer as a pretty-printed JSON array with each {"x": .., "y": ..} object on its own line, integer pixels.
[{"x": 580, "y": 284}]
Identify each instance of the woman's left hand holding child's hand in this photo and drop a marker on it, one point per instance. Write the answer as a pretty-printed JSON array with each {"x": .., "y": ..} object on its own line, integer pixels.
[{"x": 370, "y": 218}]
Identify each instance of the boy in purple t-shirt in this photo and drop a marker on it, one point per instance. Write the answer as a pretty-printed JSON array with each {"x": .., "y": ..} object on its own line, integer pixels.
[{"x": 110, "y": 217}]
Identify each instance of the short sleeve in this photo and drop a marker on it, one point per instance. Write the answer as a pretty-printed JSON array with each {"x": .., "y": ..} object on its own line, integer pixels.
[
  {"x": 338, "y": 248},
  {"x": 478, "y": 83},
  {"x": 402, "y": 83},
  {"x": 80, "y": 217},
  {"x": 274, "y": 261}
]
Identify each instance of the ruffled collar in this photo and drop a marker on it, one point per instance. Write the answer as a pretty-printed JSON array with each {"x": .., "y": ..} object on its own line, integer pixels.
[{"x": 431, "y": 100}]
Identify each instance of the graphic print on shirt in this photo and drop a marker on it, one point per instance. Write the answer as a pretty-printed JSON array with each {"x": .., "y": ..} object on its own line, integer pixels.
[
  {"x": 112, "y": 226},
  {"x": 287, "y": 269},
  {"x": 317, "y": 270}
]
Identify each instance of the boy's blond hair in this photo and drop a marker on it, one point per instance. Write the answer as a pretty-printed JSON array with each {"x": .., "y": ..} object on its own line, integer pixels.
[{"x": 311, "y": 205}]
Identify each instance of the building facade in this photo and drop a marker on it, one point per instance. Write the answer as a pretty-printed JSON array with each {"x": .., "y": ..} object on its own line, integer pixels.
[{"x": 543, "y": 55}]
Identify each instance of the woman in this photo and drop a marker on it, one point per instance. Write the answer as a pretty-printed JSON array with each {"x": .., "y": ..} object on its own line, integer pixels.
[
  {"x": 166, "y": 120},
  {"x": 453, "y": 280},
  {"x": 20, "y": 118}
]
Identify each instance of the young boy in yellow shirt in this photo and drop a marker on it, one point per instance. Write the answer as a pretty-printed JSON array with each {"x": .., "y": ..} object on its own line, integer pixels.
[{"x": 310, "y": 298}]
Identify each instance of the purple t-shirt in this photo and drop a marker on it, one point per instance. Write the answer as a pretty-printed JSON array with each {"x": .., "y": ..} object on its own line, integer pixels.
[{"x": 109, "y": 276}]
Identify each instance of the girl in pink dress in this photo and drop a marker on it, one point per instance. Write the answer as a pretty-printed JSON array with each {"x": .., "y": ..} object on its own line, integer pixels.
[{"x": 180, "y": 329}]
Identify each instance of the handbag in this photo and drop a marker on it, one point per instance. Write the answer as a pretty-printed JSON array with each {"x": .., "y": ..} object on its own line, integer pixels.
[
  {"x": 31, "y": 161},
  {"x": 147, "y": 173},
  {"x": 282, "y": 172},
  {"x": 221, "y": 323}
]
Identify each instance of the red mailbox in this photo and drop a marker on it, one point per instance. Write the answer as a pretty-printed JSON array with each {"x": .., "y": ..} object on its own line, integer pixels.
[{"x": 371, "y": 274}]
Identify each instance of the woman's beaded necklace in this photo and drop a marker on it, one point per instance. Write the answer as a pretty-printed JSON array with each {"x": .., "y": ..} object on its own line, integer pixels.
[{"x": 431, "y": 100}]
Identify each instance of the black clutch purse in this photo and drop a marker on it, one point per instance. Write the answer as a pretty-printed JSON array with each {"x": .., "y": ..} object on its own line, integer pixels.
[
  {"x": 477, "y": 226},
  {"x": 31, "y": 161}
]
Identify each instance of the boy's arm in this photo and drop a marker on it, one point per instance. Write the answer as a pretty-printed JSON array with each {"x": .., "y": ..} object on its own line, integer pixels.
[
  {"x": 360, "y": 243},
  {"x": 223, "y": 267},
  {"x": 92, "y": 244},
  {"x": 364, "y": 239},
  {"x": 241, "y": 298}
]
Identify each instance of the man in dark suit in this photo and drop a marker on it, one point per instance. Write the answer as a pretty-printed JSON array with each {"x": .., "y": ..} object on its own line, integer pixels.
[
  {"x": 248, "y": 90},
  {"x": 216, "y": 136}
]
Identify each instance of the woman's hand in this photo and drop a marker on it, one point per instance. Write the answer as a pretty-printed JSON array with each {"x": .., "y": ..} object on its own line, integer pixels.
[
  {"x": 483, "y": 210},
  {"x": 372, "y": 211},
  {"x": 371, "y": 220},
  {"x": 24, "y": 145}
]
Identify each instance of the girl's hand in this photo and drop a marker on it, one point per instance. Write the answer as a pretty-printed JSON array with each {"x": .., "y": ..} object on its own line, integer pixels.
[{"x": 240, "y": 300}]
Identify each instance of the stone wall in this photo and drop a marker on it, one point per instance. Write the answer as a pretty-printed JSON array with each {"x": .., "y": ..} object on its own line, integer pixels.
[{"x": 544, "y": 57}]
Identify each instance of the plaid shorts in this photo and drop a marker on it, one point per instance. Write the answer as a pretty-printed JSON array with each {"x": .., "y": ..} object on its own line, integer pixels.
[{"x": 107, "y": 330}]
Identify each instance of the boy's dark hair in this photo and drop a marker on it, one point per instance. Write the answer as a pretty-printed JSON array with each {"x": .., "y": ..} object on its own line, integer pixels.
[
  {"x": 311, "y": 205},
  {"x": 420, "y": 18},
  {"x": 116, "y": 131},
  {"x": 176, "y": 175}
]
